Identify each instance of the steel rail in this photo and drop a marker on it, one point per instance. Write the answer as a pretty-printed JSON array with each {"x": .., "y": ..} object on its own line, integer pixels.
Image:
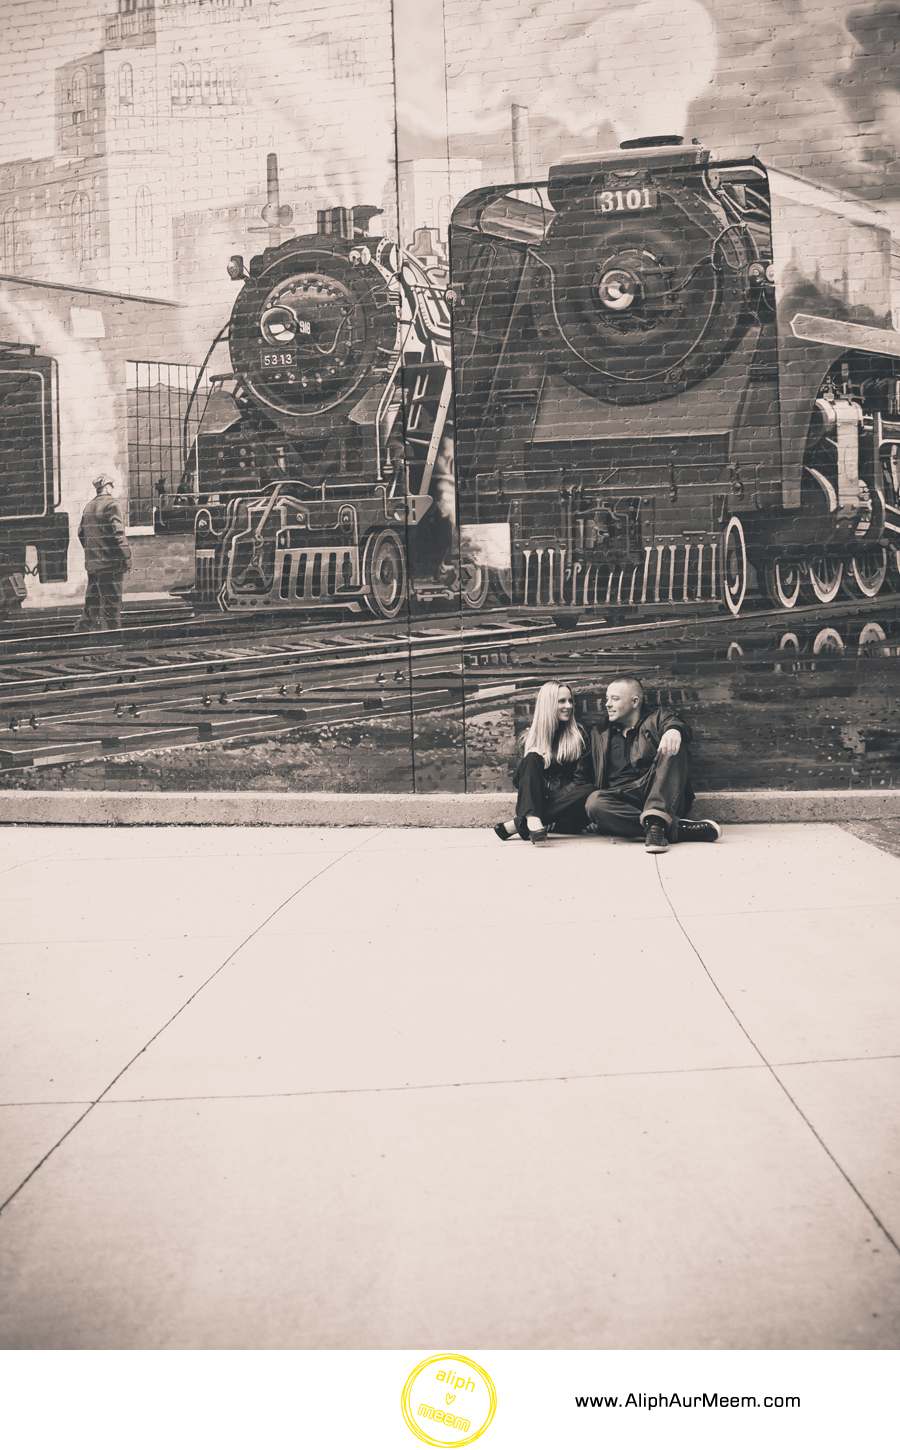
[
  {"x": 275, "y": 663},
  {"x": 215, "y": 672},
  {"x": 255, "y": 711}
]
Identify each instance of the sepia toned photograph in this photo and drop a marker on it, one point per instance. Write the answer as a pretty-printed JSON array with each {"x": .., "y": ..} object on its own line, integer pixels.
[{"x": 449, "y": 466}]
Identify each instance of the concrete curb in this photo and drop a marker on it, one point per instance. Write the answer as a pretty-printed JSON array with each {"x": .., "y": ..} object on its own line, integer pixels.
[{"x": 259, "y": 808}]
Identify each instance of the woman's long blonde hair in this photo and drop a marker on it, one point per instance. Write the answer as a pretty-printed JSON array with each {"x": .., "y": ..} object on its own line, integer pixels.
[{"x": 546, "y": 730}]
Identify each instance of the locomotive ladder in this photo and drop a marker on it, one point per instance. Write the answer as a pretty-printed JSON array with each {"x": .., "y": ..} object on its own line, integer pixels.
[{"x": 430, "y": 386}]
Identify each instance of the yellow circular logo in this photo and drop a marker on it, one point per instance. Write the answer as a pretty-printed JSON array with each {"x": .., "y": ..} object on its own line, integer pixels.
[{"x": 448, "y": 1400}]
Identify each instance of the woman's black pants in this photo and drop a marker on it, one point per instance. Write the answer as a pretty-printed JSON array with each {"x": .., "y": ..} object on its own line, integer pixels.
[{"x": 560, "y": 806}]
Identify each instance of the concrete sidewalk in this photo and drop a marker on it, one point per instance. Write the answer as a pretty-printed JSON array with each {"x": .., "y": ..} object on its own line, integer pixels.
[{"x": 378, "y": 1088}]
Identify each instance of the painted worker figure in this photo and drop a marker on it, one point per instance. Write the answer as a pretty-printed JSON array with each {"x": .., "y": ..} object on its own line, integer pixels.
[
  {"x": 107, "y": 558},
  {"x": 640, "y": 764}
]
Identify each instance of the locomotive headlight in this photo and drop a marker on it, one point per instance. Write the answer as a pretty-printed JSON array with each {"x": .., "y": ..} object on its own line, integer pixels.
[
  {"x": 280, "y": 326},
  {"x": 617, "y": 289}
]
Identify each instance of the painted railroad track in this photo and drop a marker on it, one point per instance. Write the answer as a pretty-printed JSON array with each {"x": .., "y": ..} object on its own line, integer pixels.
[
  {"x": 95, "y": 699},
  {"x": 106, "y": 699}
]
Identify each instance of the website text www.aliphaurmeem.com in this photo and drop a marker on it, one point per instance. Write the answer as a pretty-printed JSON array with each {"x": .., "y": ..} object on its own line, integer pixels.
[{"x": 676, "y": 1401}]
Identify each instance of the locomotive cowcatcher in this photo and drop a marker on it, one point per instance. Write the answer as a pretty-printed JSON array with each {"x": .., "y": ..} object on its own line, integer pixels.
[{"x": 676, "y": 379}]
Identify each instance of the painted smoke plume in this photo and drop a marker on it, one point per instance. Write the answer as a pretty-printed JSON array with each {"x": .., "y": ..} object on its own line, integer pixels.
[{"x": 636, "y": 68}]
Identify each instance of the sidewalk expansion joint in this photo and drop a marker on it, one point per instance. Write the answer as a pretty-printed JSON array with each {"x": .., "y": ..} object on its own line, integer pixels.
[
  {"x": 772, "y": 1070},
  {"x": 97, "y": 1101},
  {"x": 106, "y": 1102}
]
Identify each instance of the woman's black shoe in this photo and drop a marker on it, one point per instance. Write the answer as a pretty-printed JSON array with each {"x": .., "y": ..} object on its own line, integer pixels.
[
  {"x": 538, "y": 838},
  {"x": 503, "y": 833}
]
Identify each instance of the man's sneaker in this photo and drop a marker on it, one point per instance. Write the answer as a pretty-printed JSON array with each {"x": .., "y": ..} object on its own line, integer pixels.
[
  {"x": 699, "y": 831},
  {"x": 655, "y": 835}
]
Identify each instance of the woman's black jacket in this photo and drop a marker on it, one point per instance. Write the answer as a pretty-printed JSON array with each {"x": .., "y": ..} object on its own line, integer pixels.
[{"x": 561, "y": 774}]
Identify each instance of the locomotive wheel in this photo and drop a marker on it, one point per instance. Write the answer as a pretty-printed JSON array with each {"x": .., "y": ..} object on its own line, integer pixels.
[
  {"x": 476, "y": 584},
  {"x": 384, "y": 572},
  {"x": 828, "y": 642},
  {"x": 783, "y": 583},
  {"x": 734, "y": 565},
  {"x": 823, "y": 581},
  {"x": 866, "y": 574},
  {"x": 871, "y": 633}
]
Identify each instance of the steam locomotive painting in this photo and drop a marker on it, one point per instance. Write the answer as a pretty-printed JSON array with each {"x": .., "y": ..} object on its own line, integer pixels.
[
  {"x": 676, "y": 380},
  {"x": 322, "y": 472},
  {"x": 29, "y": 474}
]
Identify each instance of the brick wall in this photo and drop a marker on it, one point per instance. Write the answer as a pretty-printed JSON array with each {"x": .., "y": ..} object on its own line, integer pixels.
[
  {"x": 191, "y": 99},
  {"x": 159, "y": 564}
]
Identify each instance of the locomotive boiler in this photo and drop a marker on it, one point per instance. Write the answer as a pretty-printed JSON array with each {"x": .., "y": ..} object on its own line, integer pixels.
[
  {"x": 676, "y": 380},
  {"x": 29, "y": 474},
  {"x": 322, "y": 472}
]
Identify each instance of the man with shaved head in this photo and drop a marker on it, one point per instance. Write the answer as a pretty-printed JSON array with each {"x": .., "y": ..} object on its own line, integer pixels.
[{"x": 640, "y": 760}]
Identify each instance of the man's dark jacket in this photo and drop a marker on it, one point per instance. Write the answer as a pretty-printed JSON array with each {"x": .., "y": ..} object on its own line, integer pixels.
[
  {"x": 653, "y": 723},
  {"x": 102, "y": 534}
]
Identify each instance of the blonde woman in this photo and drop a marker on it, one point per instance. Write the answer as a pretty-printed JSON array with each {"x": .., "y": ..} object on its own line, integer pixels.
[{"x": 554, "y": 778}]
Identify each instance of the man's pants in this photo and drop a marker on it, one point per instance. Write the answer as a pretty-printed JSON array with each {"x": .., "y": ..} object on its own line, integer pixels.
[
  {"x": 102, "y": 601},
  {"x": 658, "y": 793}
]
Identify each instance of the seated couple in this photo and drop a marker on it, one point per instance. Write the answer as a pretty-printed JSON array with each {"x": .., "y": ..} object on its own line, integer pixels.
[{"x": 630, "y": 779}]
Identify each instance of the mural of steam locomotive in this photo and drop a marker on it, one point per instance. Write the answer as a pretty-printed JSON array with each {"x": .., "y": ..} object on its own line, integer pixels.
[
  {"x": 322, "y": 472},
  {"x": 676, "y": 379},
  {"x": 29, "y": 474}
]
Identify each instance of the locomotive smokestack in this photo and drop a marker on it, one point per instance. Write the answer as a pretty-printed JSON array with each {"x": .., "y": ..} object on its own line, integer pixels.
[
  {"x": 521, "y": 144},
  {"x": 275, "y": 216}
]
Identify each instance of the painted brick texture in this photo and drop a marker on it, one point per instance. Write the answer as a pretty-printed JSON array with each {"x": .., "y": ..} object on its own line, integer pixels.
[{"x": 387, "y": 345}]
